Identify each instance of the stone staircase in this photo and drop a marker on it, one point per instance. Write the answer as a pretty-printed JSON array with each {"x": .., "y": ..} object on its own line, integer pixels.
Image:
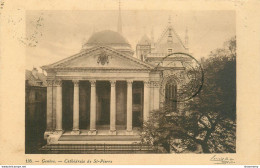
[
  {"x": 98, "y": 148},
  {"x": 97, "y": 144},
  {"x": 132, "y": 138}
]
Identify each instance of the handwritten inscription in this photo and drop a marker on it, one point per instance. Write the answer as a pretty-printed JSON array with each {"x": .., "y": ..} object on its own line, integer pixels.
[{"x": 222, "y": 160}]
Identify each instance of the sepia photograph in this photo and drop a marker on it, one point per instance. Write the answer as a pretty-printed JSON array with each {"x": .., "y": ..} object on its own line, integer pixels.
[{"x": 130, "y": 81}]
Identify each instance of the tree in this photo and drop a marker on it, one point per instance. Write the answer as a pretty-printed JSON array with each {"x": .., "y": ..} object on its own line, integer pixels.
[{"x": 208, "y": 123}]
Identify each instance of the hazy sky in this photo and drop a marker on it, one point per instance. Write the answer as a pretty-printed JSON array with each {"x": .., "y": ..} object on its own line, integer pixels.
[{"x": 61, "y": 33}]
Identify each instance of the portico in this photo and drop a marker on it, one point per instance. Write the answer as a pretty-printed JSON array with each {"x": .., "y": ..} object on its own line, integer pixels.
[
  {"x": 85, "y": 100},
  {"x": 94, "y": 110}
]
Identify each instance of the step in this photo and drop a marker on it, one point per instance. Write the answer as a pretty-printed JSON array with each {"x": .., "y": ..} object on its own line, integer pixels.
[
  {"x": 99, "y": 138},
  {"x": 98, "y": 147}
]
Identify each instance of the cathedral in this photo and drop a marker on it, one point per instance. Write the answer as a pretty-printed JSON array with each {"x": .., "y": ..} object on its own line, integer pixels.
[{"x": 104, "y": 93}]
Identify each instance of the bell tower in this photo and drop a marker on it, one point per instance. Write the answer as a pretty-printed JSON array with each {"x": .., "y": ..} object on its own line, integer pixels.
[{"x": 143, "y": 48}]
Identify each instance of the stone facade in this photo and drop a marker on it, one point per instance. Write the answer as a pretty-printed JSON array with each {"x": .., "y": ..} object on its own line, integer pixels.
[
  {"x": 121, "y": 74},
  {"x": 104, "y": 88}
]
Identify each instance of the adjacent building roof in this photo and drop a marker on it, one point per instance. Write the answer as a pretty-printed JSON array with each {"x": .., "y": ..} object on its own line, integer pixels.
[
  {"x": 34, "y": 78},
  {"x": 144, "y": 40},
  {"x": 169, "y": 40}
]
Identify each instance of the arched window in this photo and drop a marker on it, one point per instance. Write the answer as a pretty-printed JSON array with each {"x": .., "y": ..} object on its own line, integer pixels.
[{"x": 171, "y": 95}]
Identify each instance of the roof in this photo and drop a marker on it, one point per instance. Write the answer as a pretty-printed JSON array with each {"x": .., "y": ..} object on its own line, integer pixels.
[
  {"x": 107, "y": 37},
  {"x": 39, "y": 79},
  {"x": 176, "y": 45},
  {"x": 144, "y": 40}
]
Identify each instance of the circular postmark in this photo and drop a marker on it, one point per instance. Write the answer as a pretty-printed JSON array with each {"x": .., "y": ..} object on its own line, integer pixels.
[{"x": 182, "y": 77}]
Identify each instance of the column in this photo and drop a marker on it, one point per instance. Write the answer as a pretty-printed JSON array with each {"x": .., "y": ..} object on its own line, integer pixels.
[
  {"x": 76, "y": 108},
  {"x": 58, "y": 105},
  {"x": 113, "y": 107},
  {"x": 146, "y": 100},
  {"x": 93, "y": 130},
  {"x": 156, "y": 100},
  {"x": 49, "y": 124},
  {"x": 129, "y": 107},
  {"x": 151, "y": 99},
  {"x": 49, "y": 112}
]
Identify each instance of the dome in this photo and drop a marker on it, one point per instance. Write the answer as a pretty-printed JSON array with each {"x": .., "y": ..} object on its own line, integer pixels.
[{"x": 109, "y": 38}]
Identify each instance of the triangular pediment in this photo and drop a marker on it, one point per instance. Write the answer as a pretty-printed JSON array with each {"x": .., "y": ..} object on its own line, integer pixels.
[{"x": 100, "y": 57}]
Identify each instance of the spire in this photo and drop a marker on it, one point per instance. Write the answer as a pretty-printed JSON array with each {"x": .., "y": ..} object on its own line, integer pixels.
[
  {"x": 186, "y": 39},
  {"x": 119, "y": 24},
  {"x": 169, "y": 30},
  {"x": 170, "y": 20}
]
